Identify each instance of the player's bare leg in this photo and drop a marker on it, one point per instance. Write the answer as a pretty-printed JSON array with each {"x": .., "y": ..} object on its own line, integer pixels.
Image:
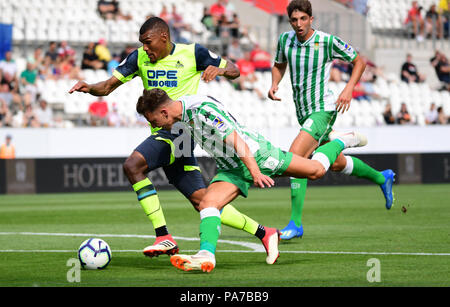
[{"x": 218, "y": 195}]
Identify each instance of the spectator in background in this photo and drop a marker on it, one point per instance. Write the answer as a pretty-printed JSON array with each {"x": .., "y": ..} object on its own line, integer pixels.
[
  {"x": 114, "y": 117},
  {"x": 230, "y": 10},
  {"x": 432, "y": 116},
  {"x": 115, "y": 61},
  {"x": 8, "y": 68},
  {"x": 234, "y": 51},
  {"x": 261, "y": 59},
  {"x": 388, "y": 117},
  {"x": 7, "y": 150},
  {"x": 222, "y": 27},
  {"x": 5, "y": 93},
  {"x": 364, "y": 91},
  {"x": 165, "y": 15},
  {"x": 340, "y": 71},
  {"x": 177, "y": 25},
  {"x": 414, "y": 19},
  {"x": 90, "y": 59},
  {"x": 111, "y": 10},
  {"x": 44, "y": 114},
  {"x": 64, "y": 49},
  {"x": 207, "y": 20},
  {"x": 29, "y": 117},
  {"x": 360, "y": 6},
  {"x": 442, "y": 118},
  {"x": 442, "y": 68},
  {"x": 28, "y": 80},
  {"x": 38, "y": 58},
  {"x": 247, "y": 80},
  {"x": 443, "y": 9},
  {"x": 128, "y": 49},
  {"x": 217, "y": 10},
  {"x": 102, "y": 52},
  {"x": 51, "y": 55},
  {"x": 433, "y": 22},
  {"x": 5, "y": 114},
  {"x": 403, "y": 116},
  {"x": 409, "y": 71},
  {"x": 68, "y": 68},
  {"x": 98, "y": 110},
  {"x": 234, "y": 25}
]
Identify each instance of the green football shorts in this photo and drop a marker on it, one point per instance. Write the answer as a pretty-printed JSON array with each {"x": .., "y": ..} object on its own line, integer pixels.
[
  {"x": 272, "y": 163},
  {"x": 319, "y": 125}
]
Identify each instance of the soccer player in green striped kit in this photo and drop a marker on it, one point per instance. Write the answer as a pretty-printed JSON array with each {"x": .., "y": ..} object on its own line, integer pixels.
[
  {"x": 243, "y": 158},
  {"x": 309, "y": 54}
]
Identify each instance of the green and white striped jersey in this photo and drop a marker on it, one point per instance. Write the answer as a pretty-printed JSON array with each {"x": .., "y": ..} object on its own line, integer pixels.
[
  {"x": 309, "y": 65},
  {"x": 210, "y": 123}
]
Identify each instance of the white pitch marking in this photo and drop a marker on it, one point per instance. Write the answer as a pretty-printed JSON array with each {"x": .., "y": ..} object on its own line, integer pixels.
[{"x": 255, "y": 247}]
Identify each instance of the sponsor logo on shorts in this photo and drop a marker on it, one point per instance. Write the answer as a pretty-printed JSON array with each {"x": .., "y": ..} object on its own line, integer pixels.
[{"x": 271, "y": 163}]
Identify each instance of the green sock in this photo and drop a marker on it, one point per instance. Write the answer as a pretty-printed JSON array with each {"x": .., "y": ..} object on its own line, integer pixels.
[
  {"x": 209, "y": 229},
  {"x": 233, "y": 218},
  {"x": 298, "y": 191},
  {"x": 363, "y": 170},
  {"x": 328, "y": 153},
  {"x": 149, "y": 201}
]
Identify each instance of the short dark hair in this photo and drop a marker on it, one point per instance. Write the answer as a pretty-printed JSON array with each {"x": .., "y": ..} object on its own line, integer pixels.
[
  {"x": 151, "y": 100},
  {"x": 154, "y": 23},
  {"x": 300, "y": 5}
]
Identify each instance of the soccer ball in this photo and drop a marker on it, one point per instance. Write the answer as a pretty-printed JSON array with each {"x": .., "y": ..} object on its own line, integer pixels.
[{"x": 94, "y": 254}]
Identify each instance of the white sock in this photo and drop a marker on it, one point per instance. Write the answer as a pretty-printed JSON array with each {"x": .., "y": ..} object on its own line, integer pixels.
[
  {"x": 210, "y": 211},
  {"x": 323, "y": 159},
  {"x": 348, "y": 169}
]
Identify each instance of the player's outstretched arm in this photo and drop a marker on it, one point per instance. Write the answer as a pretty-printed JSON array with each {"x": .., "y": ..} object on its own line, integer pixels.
[
  {"x": 230, "y": 71},
  {"x": 246, "y": 156},
  {"x": 278, "y": 71},
  {"x": 103, "y": 88},
  {"x": 343, "y": 102}
]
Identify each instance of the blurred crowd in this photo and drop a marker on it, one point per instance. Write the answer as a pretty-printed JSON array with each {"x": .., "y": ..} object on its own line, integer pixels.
[
  {"x": 359, "y": 6},
  {"x": 21, "y": 103},
  {"x": 425, "y": 23}
]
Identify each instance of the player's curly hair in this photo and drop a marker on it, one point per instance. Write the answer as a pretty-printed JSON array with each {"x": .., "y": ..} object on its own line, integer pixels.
[
  {"x": 300, "y": 5},
  {"x": 151, "y": 100}
]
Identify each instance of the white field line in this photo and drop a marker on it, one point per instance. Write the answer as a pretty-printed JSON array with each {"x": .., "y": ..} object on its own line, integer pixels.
[{"x": 255, "y": 247}]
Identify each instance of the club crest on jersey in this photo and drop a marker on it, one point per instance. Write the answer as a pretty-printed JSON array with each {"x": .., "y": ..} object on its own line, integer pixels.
[
  {"x": 316, "y": 46},
  {"x": 218, "y": 122}
]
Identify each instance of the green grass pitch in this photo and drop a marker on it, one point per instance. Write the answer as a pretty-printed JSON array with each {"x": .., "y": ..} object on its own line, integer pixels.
[{"x": 344, "y": 228}]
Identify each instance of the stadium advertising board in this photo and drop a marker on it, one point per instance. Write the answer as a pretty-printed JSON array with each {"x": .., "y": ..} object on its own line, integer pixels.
[{"x": 106, "y": 174}]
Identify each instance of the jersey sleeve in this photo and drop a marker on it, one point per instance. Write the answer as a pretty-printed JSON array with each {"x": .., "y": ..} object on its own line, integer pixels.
[
  {"x": 128, "y": 69},
  {"x": 342, "y": 51},
  {"x": 280, "y": 57},
  {"x": 205, "y": 57}
]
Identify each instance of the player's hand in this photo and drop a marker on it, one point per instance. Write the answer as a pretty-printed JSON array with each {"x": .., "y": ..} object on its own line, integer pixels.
[
  {"x": 272, "y": 92},
  {"x": 260, "y": 180},
  {"x": 343, "y": 102},
  {"x": 211, "y": 72},
  {"x": 81, "y": 86}
]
